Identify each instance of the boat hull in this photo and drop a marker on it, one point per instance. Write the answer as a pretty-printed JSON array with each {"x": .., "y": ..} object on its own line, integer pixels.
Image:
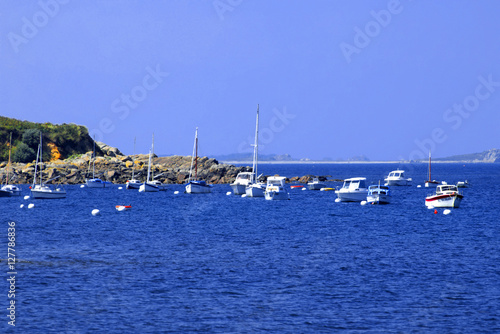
[
  {"x": 431, "y": 184},
  {"x": 97, "y": 183},
  {"x": 12, "y": 189},
  {"x": 238, "y": 188},
  {"x": 5, "y": 193},
  {"x": 397, "y": 182},
  {"x": 133, "y": 185},
  {"x": 378, "y": 199},
  {"x": 45, "y": 192},
  {"x": 276, "y": 195},
  {"x": 255, "y": 190},
  {"x": 352, "y": 196},
  {"x": 149, "y": 188},
  {"x": 444, "y": 201},
  {"x": 198, "y": 188},
  {"x": 315, "y": 186}
]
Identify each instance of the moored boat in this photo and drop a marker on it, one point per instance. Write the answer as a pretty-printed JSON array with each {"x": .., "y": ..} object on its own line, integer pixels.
[
  {"x": 353, "y": 190},
  {"x": 275, "y": 189},
  {"x": 256, "y": 188},
  {"x": 7, "y": 189},
  {"x": 430, "y": 183},
  {"x": 446, "y": 196},
  {"x": 195, "y": 186},
  {"x": 95, "y": 182},
  {"x": 133, "y": 183},
  {"x": 243, "y": 179},
  {"x": 397, "y": 178},
  {"x": 42, "y": 190},
  {"x": 149, "y": 186},
  {"x": 315, "y": 184},
  {"x": 378, "y": 194}
]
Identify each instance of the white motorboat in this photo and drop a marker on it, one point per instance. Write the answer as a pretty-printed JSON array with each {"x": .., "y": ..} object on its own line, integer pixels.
[
  {"x": 397, "y": 178},
  {"x": 446, "y": 196},
  {"x": 353, "y": 190},
  {"x": 243, "y": 180},
  {"x": 463, "y": 184},
  {"x": 195, "y": 186},
  {"x": 95, "y": 182},
  {"x": 378, "y": 194},
  {"x": 256, "y": 188},
  {"x": 149, "y": 186},
  {"x": 315, "y": 184},
  {"x": 430, "y": 183},
  {"x": 275, "y": 189},
  {"x": 42, "y": 190},
  {"x": 7, "y": 189},
  {"x": 133, "y": 183}
]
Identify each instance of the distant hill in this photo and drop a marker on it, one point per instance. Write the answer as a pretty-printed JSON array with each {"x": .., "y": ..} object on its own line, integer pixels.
[
  {"x": 492, "y": 155},
  {"x": 60, "y": 141},
  {"x": 249, "y": 157}
]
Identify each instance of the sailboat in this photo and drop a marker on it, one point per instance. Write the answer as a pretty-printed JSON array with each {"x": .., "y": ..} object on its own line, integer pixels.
[
  {"x": 149, "y": 186},
  {"x": 133, "y": 183},
  {"x": 160, "y": 185},
  {"x": 430, "y": 183},
  {"x": 256, "y": 188},
  {"x": 42, "y": 190},
  {"x": 9, "y": 189},
  {"x": 194, "y": 185},
  {"x": 95, "y": 182}
]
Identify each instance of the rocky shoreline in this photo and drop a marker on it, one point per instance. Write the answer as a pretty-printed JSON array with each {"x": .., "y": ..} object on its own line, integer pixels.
[{"x": 117, "y": 168}]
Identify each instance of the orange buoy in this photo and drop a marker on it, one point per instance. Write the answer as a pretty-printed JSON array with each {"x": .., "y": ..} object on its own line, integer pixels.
[{"x": 435, "y": 211}]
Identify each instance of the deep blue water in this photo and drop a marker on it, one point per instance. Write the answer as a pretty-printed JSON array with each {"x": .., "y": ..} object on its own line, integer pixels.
[{"x": 215, "y": 263}]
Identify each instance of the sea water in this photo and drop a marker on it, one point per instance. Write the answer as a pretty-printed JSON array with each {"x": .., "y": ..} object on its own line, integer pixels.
[{"x": 216, "y": 263}]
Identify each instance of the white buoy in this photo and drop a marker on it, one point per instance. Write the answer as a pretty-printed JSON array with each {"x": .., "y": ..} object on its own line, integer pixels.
[
  {"x": 244, "y": 195},
  {"x": 430, "y": 207},
  {"x": 82, "y": 186},
  {"x": 228, "y": 193},
  {"x": 337, "y": 200},
  {"x": 363, "y": 203},
  {"x": 446, "y": 212},
  {"x": 176, "y": 192},
  {"x": 96, "y": 212},
  {"x": 120, "y": 188},
  {"x": 322, "y": 189},
  {"x": 27, "y": 197},
  {"x": 31, "y": 206},
  {"x": 304, "y": 189},
  {"x": 21, "y": 206},
  {"x": 419, "y": 186}
]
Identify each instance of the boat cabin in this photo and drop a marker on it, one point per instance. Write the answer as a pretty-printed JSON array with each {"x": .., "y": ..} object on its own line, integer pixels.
[
  {"x": 397, "y": 174},
  {"x": 446, "y": 188},
  {"x": 244, "y": 176},
  {"x": 278, "y": 181},
  {"x": 376, "y": 189},
  {"x": 354, "y": 183}
]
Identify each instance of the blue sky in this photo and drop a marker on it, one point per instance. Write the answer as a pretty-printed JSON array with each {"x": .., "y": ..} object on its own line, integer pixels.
[{"x": 385, "y": 79}]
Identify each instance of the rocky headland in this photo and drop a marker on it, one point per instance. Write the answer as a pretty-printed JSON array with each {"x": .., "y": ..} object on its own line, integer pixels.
[{"x": 115, "y": 167}]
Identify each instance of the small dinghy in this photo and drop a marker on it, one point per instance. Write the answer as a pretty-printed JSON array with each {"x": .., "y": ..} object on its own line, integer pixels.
[{"x": 123, "y": 207}]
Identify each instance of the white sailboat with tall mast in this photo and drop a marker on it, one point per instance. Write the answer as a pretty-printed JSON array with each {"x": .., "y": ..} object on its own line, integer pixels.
[
  {"x": 95, "y": 182},
  {"x": 160, "y": 185},
  {"x": 256, "y": 188},
  {"x": 195, "y": 186},
  {"x": 430, "y": 183},
  {"x": 149, "y": 186},
  {"x": 42, "y": 190},
  {"x": 9, "y": 189},
  {"x": 133, "y": 183}
]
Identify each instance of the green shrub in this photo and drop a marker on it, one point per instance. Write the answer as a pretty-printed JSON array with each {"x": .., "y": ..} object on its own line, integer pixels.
[{"x": 23, "y": 153}]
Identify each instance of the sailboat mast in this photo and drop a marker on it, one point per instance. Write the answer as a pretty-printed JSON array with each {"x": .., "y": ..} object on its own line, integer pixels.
[
  {"x": 153, "y": 149},
  {"x": 8, "y": 166},
  {"x": 429, "y": 165},
  {"x": 93, "y": 163},
  {"x": 256, "y": 145},
  {"x": 133, "y": 161},
  {"x": 196, "y": 160},
  {"x": 41, "y": 158},
  {"x": 149, "y": 165},
  {"x": 192, "y": 155},
  {"x": 36, "y": 165}
]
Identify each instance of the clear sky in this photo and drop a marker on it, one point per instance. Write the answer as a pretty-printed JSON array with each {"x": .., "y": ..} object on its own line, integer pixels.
[{"x": 385, "y": 79}]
